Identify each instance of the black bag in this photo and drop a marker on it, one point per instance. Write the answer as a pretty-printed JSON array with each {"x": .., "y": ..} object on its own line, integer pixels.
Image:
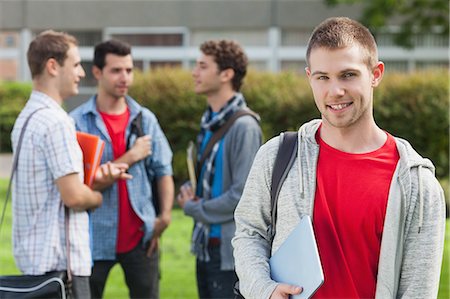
[
  {"x": 55, "y": 284},
  {"x": 50, "y": 285},
  {"x": 287, "y": 152}
]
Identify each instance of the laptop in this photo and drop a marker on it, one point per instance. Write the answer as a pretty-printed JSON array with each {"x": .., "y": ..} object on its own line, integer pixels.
[{"x": 297, "y": 261}]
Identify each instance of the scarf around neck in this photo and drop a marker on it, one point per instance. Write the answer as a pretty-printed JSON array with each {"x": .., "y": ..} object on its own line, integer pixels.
[{"x": 200, "y": 235}]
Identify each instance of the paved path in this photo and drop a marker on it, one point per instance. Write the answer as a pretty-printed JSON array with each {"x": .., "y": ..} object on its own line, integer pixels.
[{"x": 5, "y": 165}]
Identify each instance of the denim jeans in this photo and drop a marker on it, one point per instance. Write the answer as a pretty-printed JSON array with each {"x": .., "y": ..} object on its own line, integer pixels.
[
  {"x": 141, "y": 273},
  {"x": 213, "y": 282}
]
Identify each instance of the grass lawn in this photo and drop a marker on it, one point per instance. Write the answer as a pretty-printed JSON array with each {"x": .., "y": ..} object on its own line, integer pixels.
[{"x": 177, "y": 264}]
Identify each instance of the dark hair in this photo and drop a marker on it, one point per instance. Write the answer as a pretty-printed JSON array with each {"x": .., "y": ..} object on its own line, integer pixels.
[
  {"x": 228, "y": 55},
  {"x": 112, "y": 46},
  {"x": 341, "y": 32},
  {"x": 48, "y": 44}
]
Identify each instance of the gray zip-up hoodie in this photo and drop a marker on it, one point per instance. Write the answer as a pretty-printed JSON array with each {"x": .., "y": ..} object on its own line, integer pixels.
[
  {"x": 241, "y": 143},
  {"x": 413, "y": 235}
]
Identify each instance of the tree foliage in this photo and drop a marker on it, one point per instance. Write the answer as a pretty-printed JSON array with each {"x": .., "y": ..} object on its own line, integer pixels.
[{"x": 412, "y": 16}]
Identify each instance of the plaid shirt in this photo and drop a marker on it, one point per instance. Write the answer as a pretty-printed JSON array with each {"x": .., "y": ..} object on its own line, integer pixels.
[
  {"x": 104, "y": 220},
  {"x": 49, "y": 151}
]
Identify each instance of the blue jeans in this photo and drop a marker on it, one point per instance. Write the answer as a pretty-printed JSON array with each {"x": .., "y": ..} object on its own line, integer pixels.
[
  {"x": 213, "y": 282},
  {"x": 141, "y": 273}
]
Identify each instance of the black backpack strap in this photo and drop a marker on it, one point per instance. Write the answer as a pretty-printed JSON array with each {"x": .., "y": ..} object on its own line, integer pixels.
[
  {"x": 220, "y": 133},
  {"x": 287, "y": 152},
  {"x": 135, "y": 128}
]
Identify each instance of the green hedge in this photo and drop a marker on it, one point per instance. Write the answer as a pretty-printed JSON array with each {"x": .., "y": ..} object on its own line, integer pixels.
[
  {"x": 412, "y": 106},
  {"x": 416, "y": 107},
  {"x": 12, "y": 99}
]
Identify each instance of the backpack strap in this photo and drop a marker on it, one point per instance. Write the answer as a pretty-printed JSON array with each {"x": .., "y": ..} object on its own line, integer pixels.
[
  {"x": 135, "y": 128},
  {"x": 220, "y": 132},
  {"x": 287, "y": 152}
]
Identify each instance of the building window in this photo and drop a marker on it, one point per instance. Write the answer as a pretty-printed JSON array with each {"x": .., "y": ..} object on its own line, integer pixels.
[
  {"x": 246, "y": 38},
  {"x": 165, "y": 64},
  {"x": 293, "y": 66},
  {"x": 151, "y": 39},
  {"x": 294, "y": 38},
  {"x": 87, "y": 38},
  {"x": 138, "y": 65},
  {"x": 426, "y": 65},
  {"x": 385, "y": 40},
  {"x": 420, "y": 40},
  {"x": 396, "y": 66},
  {"x": 89, "y": 80},
  {"x": 430, "y": 41},
  {"x": 8, "y": 40},
  {"x": 258, "y": 65}
]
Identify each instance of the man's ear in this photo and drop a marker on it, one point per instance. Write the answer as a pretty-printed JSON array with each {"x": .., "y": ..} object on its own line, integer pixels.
[
  {"x": 377, "y": 74},
  {"x": 308, "y": 72},
  {"x": 52, "y": 67},
  {"x": 97, "y": 72},
  {"x": 227, "y": 74}
]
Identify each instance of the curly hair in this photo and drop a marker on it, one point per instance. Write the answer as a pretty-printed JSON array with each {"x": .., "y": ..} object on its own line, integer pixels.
[
  {"x": 228, "y": 54},
  {"x": 341, "y": 32},
  {"x": 48, "y": 44}
]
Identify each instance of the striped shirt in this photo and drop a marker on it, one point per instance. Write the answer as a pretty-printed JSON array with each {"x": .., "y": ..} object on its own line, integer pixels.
[{"x": 49, "y": 151}]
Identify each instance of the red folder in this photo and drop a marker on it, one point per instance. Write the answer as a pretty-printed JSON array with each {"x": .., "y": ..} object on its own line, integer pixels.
[{"x": 92, "y": 147}]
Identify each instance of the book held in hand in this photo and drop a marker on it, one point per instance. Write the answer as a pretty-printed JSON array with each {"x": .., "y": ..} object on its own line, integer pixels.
[
  {"x": 297, "y": 261},
  {"x": 190, "y": 159},
  {"x": 92, "y": 147}
]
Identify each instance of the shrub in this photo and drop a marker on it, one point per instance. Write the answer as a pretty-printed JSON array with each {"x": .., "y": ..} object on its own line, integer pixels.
[
  {"x": 415, "y": 107},
  {"x": 13, "y": 97}
]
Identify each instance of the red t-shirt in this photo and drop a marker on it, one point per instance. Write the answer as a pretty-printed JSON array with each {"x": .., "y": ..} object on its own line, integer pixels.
[
  {"x": 130, "y": 225},
  {"x": 349, "y": 210}
]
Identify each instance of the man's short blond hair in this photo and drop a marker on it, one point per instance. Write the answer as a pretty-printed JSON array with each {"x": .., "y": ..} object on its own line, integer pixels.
[
  {"x": 340, "y": 32},
  {"x": 48, "y": 44}
]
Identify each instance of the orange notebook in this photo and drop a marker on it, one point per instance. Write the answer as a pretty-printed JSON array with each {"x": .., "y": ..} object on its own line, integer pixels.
[{"x": 92, "y": 147}]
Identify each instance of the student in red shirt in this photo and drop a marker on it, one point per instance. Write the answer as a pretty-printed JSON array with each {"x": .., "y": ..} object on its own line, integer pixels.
[
  {"x": 127, "y": 227},
  {"x": 378, "y": 211}
]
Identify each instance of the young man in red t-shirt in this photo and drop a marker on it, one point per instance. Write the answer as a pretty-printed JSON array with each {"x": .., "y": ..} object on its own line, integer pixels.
[
  {"x": 378, "y": 211},
  {"x": 126, "y": 228}
]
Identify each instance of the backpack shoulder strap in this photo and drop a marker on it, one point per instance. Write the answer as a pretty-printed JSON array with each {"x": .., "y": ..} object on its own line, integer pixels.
[
  {"x": 287, "y": 152},
  {"x": 135, "y": 128},
  {"x": 220, "y": 132}
]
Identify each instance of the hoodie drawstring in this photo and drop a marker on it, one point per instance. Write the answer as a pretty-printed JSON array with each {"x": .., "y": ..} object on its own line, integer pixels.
[
  {"x": 420, "y": 197},
  {"x": 302, "y": 191}
]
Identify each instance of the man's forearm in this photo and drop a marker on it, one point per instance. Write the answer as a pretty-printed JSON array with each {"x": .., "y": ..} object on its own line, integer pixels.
[
  {"x": 141, "y": 149},
  {"x": 77, "y": 195},
  {"x": 165, "y": 196},
  {"x": 128, "y": 157}
]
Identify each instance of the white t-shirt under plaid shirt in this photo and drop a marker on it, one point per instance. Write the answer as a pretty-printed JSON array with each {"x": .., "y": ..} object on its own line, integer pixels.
[{"x": 49, "y": 151}]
